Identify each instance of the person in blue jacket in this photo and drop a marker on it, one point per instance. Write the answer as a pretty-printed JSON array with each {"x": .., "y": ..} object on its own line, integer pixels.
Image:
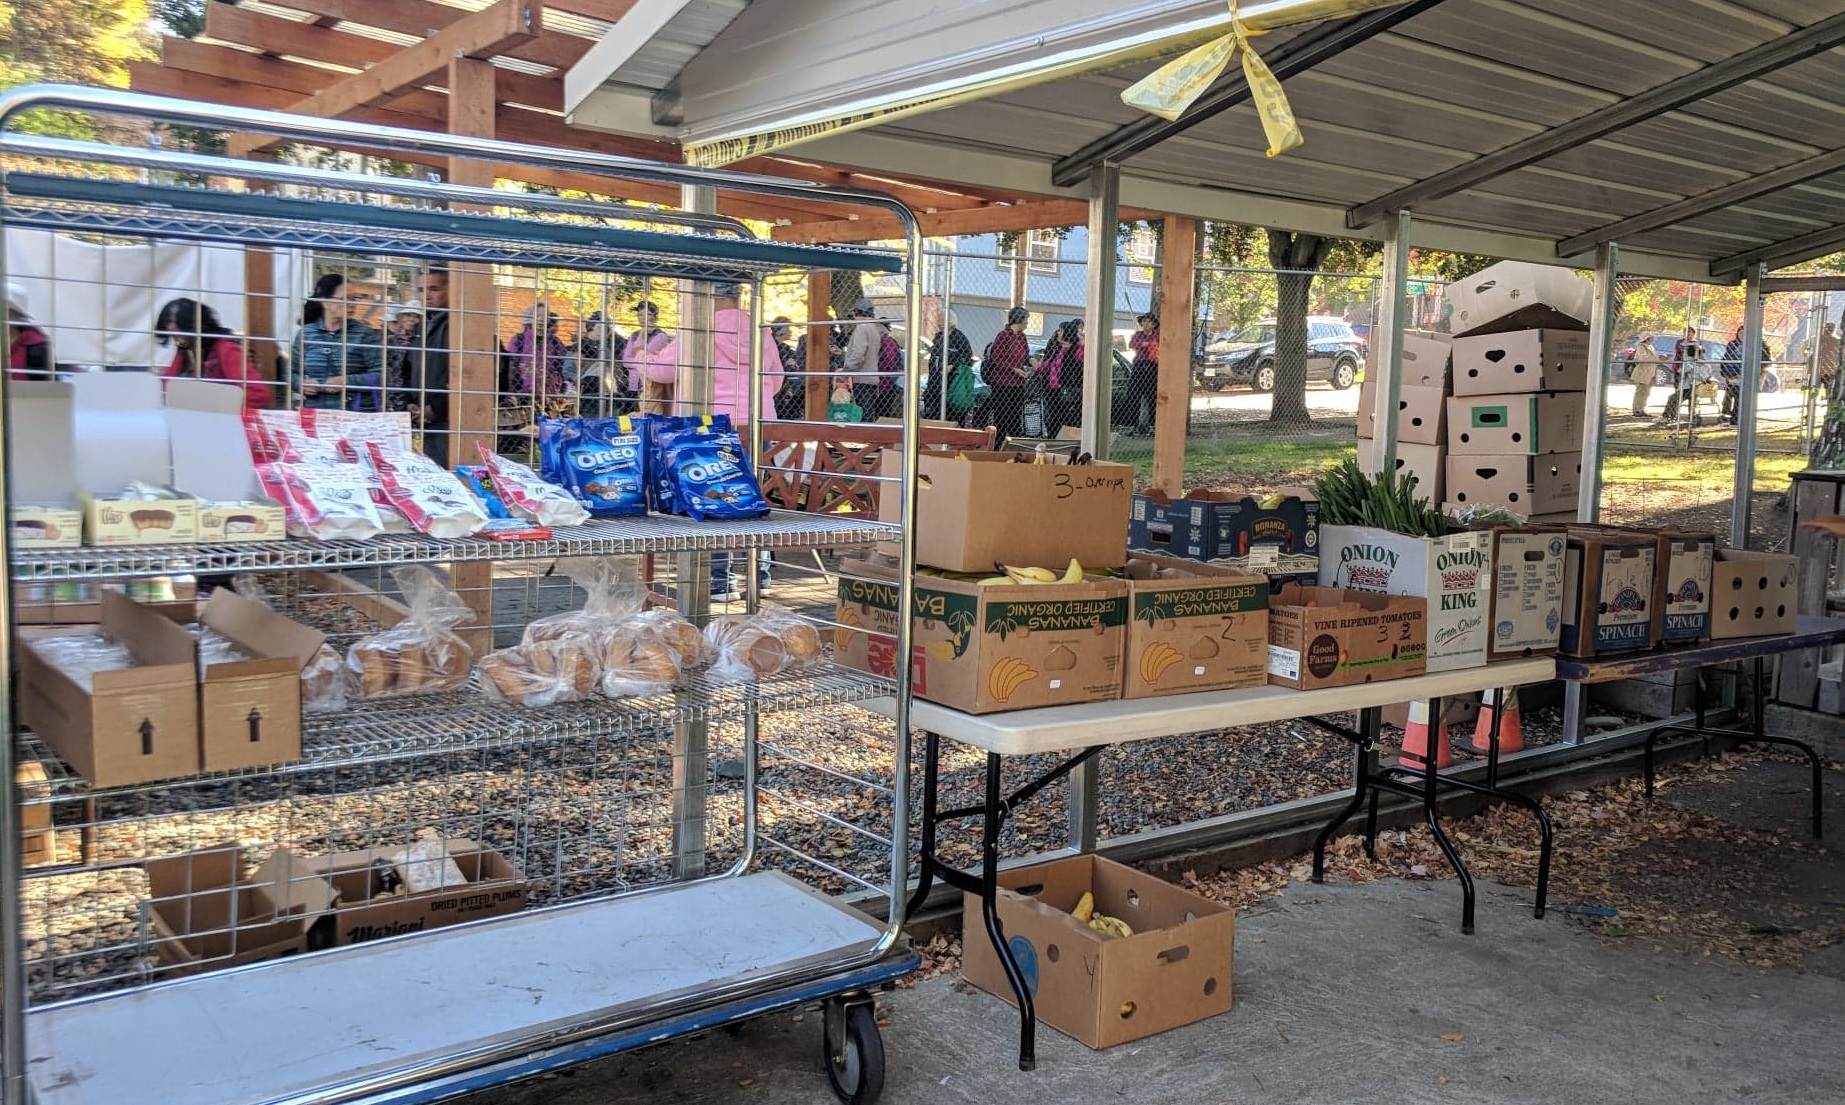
[{"x": 337, "y": 360}]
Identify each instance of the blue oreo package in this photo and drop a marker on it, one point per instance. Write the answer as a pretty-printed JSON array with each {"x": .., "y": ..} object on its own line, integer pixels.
[
  {"x": 713, "y": 476},
  {"x": 602, "y": 461},
  {"x": 662, "y": 431}
]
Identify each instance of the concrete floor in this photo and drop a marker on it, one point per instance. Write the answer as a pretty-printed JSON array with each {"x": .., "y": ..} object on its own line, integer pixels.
[{"x": 1348, "y": 993}]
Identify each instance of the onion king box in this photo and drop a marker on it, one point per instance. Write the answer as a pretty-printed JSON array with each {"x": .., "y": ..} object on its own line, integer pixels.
[{"x": 1454, "y": 573}]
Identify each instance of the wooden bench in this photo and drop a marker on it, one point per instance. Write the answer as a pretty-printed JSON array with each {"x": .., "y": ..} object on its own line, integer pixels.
[{"x": 827, "y": 467}]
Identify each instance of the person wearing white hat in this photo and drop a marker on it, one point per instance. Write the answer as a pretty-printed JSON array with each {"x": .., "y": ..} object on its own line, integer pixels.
[
  {"x": 403, "y": 337},
  {"x": 29, "y": 348}
]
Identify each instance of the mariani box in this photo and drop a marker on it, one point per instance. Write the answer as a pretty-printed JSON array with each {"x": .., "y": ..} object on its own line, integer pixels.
[
  {"x": 368, "y": 905},
  {"x": 1193, "y": 627},
  {"x": 987, "y": 649}
]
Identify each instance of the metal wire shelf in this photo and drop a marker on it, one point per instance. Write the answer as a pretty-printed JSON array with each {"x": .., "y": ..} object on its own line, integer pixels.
[
  {"x": 418, "y": 726},
  {"x": 654, "y": 533}
]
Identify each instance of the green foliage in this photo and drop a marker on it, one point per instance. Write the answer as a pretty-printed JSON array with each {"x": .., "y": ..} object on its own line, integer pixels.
[{"x": 86, "y": 42}]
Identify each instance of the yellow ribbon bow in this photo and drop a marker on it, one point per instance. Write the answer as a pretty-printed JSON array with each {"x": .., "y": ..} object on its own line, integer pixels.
[{"x": 1170, "y": 89}]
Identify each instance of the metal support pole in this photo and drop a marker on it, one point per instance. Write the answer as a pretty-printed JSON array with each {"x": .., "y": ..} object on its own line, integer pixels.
[
  {"x": 1387, "y": 341},
  {"x": 1098, "y": 409},
  {"x": 1746, "y": 403},
  {"x": 1601, "y": 350},
  {"x": 692, "y": 395}
]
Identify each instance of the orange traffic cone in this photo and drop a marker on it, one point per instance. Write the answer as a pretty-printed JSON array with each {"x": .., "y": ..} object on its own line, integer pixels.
[
  {"x": 1511, "y": 729},
  {"x": 1416, "y": 740}
]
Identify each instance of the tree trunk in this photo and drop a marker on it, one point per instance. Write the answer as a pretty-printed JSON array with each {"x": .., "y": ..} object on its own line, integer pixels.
[
  {"x": 1019, "y": 275},
  {"x": 1298, "y": 257}
]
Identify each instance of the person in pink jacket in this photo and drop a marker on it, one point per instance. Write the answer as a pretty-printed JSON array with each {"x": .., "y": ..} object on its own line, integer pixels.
[{"x": 657, "y": 360}]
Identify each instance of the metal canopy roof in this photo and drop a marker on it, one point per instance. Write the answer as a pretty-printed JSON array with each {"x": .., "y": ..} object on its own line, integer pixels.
[{"x": 1703, "y": 135}]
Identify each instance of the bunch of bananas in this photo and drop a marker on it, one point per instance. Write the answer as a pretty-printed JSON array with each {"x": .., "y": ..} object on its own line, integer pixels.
[
  {"x": 1108, "y": 926},
  {"x": 1156, "y": 659},
  {"x": 1034, "y": 576},
  {"x": 1008, "y": 676}
]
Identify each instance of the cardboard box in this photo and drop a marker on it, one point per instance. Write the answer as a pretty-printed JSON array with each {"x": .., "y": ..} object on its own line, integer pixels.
[
  {"x": 1752, "y": 594},
  {"x": 206, "y": 913},
  {"x": 1524, "y": 484},
  {"x": 1098, "y": 990},
  {"x": 210, "y": 458},
  {"x": 133, "y": 726},
  {"x": 1425, "y": 361},
  {"x": 1563, "y": 518},
  {"x": 38, "y": 842},
  {"x": 1425, "y": 465},
  {"x": 1420, "y": 414},
  {"x": 986, "y": 649},
  {"x": 1501, "y": 425},
  {"x": 1683, "y": 598},
  {"x": 1609, "y": 586},
  {"x": 1527, "y": 615},
  {"x": 250, "y": 710},
  {"x": 1517, "y": 295},
  {"x": 364, "y": 911},
  {"x": 120, "y": 428},
  {"x": 986, "y": 509},
  {"x": 1521, "y": 361},
  {"x": 1193, "y": 627},
  {"x": 42, "y": 511},
  {"x": 1335, "y": 642},
  {"x": 1453, "y": 573},
  {"x": 1220, "y": 525}
]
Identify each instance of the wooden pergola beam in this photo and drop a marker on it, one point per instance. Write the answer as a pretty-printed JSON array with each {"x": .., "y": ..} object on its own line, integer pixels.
[
  {"x": 484, "y": 34},
  {"x": 420, "y": 19},
  {"x": 428, "y": 111},
  {"x": 995, "y": 219}
]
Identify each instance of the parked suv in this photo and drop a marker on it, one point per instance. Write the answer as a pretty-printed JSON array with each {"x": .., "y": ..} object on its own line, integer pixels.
[{"x": 1334, "y": 354}]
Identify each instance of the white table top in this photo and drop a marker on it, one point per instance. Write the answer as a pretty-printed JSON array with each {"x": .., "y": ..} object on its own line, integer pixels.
[{"x": 1056, "y": 728}]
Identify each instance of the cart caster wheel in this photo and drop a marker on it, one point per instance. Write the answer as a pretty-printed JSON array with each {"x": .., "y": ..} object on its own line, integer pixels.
[{"x": 852, "y": 1050}]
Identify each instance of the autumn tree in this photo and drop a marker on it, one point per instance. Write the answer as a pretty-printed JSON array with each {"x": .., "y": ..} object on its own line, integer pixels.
[{"x": 88, "y": 42}]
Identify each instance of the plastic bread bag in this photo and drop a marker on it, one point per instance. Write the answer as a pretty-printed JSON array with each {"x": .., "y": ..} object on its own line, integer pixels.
[
  {"x": 324, "y": 680},
  {"x": 613, "y": 591},
  {"x": 684, "y": 638},
  {"x": 796, "y": 634},
  {"x": 602, "y": 461},
  {"x": 328, "y": 502},
  {"x": 421, "y": 654},
  {"x": 529, "y": 496},
  {"x": 636, "y": 662},
  {"x": 81, "y": 656},
  {"x": 744, "y": 650},
  {"x": 541, "y": 674},
  {"x": 431, "y": 497}
]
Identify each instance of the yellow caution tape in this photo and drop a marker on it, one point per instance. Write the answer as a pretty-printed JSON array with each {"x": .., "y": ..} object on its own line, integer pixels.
[{"x": 1173, "y": 87}]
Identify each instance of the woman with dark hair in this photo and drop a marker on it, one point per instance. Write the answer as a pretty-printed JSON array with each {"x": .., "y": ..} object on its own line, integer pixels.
[
  {"x": 1006, "y": 367},
  {"x": 1144, "y": 375},
  {"x": 1063, "y": 379},
  {"x": 28, "y": 347},
  {"x": 207, "y": 350},
  {"x": 336, "y": 355}
]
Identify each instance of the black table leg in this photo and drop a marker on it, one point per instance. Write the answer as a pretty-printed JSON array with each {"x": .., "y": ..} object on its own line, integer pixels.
[
  {"x": 989, "y": 901},
  {"x": 1431, "y": 782},
  {"x": 925, "y": 865},
  {"x": 1361, "y": 785}
]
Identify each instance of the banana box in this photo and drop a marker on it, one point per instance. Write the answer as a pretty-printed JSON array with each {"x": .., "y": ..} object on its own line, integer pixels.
[
  {"x": 1332, "y": 637},
  {"x": 984, "y": 649},
  {"x": 1193, "y": 627}
]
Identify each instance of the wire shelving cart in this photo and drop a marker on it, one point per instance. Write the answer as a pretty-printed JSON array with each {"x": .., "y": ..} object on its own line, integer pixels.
[{"x": 664, "y": 897}]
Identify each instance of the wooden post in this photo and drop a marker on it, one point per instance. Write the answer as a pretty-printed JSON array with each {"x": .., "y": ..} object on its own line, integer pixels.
[
  {"x": 1178, "y": 257},
  {"x": 259, "y": 311},
  {"x": 819, "y": 344},
  {"x": 473, "y": 333}
]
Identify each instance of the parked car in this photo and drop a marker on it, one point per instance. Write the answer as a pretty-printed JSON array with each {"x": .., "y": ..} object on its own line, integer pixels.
[
  {"x": 1663, "y": 345},
  {"x": 1334, "y": 354}
]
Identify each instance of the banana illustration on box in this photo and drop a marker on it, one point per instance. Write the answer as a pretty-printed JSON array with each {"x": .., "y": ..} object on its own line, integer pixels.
[
  {"x": 1156, "y": 659},
  {"x": 1008, "y": 676}
]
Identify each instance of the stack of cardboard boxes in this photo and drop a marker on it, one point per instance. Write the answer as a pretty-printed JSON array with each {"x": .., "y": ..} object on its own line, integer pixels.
[{"x": 1494, "y": 416}]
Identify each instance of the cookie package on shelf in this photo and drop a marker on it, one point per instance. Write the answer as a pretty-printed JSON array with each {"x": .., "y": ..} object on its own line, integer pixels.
[
  {"x": 527, "y": 495},
  {"x": 602, "y": 461},
  {"x": 773, "y": 642},
  {"x": 421, "y": 654},
  {"x": 710, "y": 474},
  {"x": 328, "y": 502},
  {"x": 434, "y": 499}
]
